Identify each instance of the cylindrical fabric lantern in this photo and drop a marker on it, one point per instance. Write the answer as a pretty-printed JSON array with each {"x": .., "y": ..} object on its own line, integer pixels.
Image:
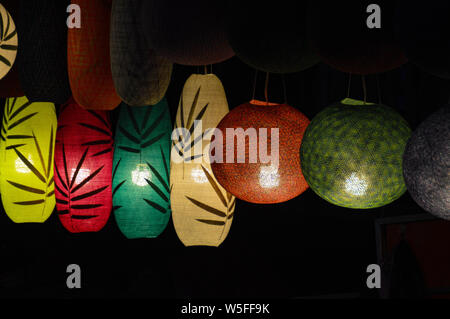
[
  {"x": 202, "y": 211},
  {"x": 347, "y": 37},
  {"x": 351, "y": 154},
  {"x": 141, "y": 76},
  {"x": 422, "y": 31},
  {"x": 189, "y": 33},
  {"x": 9, "y": 84},
  {"x": 83, "y": 168},
  {"x": 141, "y": 192},
  {"x": 42, "y": 58},
  {"x": 272, "y": 37},
  {"x": 8, "y": 41},
  {"x": 89, "y": 57},
  {"x": 260, "y": 162},
  {"x": 426, "y": 164},
  {"x": 28, "y": 142}
]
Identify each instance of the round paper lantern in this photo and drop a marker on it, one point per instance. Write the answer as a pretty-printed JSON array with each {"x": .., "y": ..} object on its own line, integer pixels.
[
  {"x": 422, "y": 31},
  {"x": 8, "y": 43},
  {"x": 351, "y": 154},
  {"x": 88, "y": 53},
  {"x": 202, "y": 211},
  {"x": 83, "y": 168},
  {"x": 28, "y": 140},
  {"x": 271, "y": 37},
  {"x": 141, "y": 192},
  {"x": 426, "y": 164},
  {"x": 141, "y": 76},
  {"x": 189, "y": 33},
  {"x": 42, "y": 59},
  {"x": 257, "y": 180},
  {"x": 344, "y": 41}
]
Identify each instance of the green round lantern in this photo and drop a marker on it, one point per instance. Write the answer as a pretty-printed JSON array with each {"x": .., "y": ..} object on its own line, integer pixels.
[{"x": 351, "y": 154}]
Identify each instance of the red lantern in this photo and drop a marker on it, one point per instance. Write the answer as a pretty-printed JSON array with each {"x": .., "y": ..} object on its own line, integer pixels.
[
  {"x": 83, "y": 168},
  {"x": 261, "y": 182}
]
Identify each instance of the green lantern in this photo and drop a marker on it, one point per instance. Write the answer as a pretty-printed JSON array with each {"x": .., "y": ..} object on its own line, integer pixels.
[
  {"x": 141, "y": 193},
  {"x": 351, "y": 154}
]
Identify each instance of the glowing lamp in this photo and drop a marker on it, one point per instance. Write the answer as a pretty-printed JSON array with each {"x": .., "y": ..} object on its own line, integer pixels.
[
  {"x": 351, "y": 154},
  {"x": 202, "y": 210},
  {"x": 88, "y": 57},
  {"x": 185, "y": 32},
  {"x": 141, "y": 76},
  {"x": 83, "y": 168},
  {"x": 141, "y": 192},
  {"x": 426, "y": 164},
  {"x": 260, "y": 143},
  {"x": 26, "y": 163},
  {"x": 8, "y": 40}
]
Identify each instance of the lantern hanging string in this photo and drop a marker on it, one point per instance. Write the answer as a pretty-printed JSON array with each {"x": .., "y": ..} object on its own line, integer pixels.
[
  {"x": 254, "y": 84},
  {"x": 206, "y": 69},
  {"x": 266, "y": 87},
  {"x": 378, "y": 89},
  {"x": 363, "y": 78}
]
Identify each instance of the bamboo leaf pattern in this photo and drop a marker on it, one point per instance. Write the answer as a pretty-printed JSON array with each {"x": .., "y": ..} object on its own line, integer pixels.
[
  {"x": 141, "y": 170},
  {"x": 28, "y": 156},
  {"x": 8, "y": 41},
  {"x": 83, "y": 164}
]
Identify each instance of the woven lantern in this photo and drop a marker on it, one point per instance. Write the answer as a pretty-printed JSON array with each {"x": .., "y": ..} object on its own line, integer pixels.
[
  {"x": 26, "y": 163},
  {"x": 351, "y": 154},
  {"x": 344, "y": 41},
  {"x": 202, "y": 211},
  {"x": 257, "y": 180},
  {"x": 42, "y": 60},
  {"x": 141, "y": 76},
  {"x": 89, "y": 57},
  {"x": 279, "y": 46},
  {"x": 189, "y": 33},
  {"x": 426, "y": 164},
  {"x": 83, "y": 168},
  {"x": 141, "y": 193},
  {"x": 8, "y": 43},
  {"x": 422, "y": 31}
]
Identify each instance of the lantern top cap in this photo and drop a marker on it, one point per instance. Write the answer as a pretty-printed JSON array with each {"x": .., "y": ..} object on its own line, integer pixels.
[
  {"x": 263, "y": 103},
  {"x": 349, "y": 101}
]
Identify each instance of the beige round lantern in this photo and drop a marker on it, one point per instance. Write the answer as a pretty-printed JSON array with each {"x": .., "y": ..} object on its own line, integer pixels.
[
  {"x": 202, "y": 211},
  {"x": 8, "y": 41}
]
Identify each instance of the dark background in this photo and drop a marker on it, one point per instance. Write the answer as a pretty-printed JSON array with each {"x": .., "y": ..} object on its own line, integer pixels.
[{"x": 300, "y": 248}]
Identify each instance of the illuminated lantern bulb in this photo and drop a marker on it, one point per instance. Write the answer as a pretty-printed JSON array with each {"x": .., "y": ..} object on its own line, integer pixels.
[
  {"x": 8, "y": 40},
  {"x": 26, "y": 160},
  {"x": 202, "y": 210},
  {"x": 141, "y": 192},
  {"x": 351, "y": 154},
  {"x": 426, "y": 164},
  {"x": 262, "y": 165},
  {"x": 83, "y": 168}
]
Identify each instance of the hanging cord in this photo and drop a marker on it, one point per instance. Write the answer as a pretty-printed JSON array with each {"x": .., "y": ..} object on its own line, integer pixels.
[
  {"x": 266, "y": 87},
  {"x": 254, "y": 84},
  {"x": 284, "y": 88},
  {"x": 206, "y": 69},
  {"x": 363, "y": 78},
  {"x": 378, "y": 89},
  {"x": 211, "y": 69},
  {"x": 349, "y": 84}
]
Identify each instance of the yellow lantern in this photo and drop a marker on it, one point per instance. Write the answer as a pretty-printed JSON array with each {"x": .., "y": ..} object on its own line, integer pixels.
[
  {"x": 202, "y": 211},
  {"x": 28, "y": 140}
]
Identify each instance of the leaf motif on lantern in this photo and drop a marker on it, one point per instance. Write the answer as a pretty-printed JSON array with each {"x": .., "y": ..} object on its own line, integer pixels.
[
  {"x": 8, "y": 42},
  {"x": 27, "y": 152}
]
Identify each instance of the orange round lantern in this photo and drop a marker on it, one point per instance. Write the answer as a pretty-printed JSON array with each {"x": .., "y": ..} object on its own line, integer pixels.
[
  {"x": 271, "y": 171},
  {"x": 89, "y": 57}
]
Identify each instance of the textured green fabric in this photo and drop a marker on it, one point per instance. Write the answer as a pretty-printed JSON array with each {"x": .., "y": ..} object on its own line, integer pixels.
[
  {"x": 351, "y": 154},
  {"x": 141, "y": 194}
]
